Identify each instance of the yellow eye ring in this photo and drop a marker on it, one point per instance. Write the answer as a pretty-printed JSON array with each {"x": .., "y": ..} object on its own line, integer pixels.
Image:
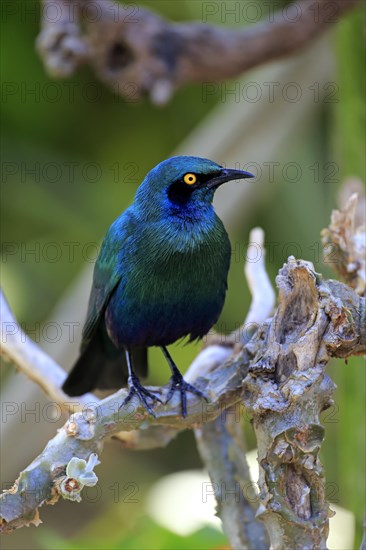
[{"x": 190, "y": 179}]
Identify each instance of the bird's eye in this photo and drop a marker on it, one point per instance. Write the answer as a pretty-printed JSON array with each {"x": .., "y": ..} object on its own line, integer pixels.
[{"x": 190, "y": 179}]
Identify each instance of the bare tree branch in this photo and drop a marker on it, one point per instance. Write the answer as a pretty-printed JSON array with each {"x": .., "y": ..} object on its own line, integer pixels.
[
  {"x": 137, "y": 52},
  {"x": 18, "y": 349},
  {"x": 285, "y": 401},
  {"x": 34, "y": 487},
  {"x": 85, "y": 432},
  {"x": 222, "y": 448},
  {"x": 221, "y": 442},
  {"x": 286, "y": 390}
]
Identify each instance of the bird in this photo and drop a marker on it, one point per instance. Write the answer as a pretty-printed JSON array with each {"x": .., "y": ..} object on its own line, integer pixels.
[{"x": 160, "y": 276}]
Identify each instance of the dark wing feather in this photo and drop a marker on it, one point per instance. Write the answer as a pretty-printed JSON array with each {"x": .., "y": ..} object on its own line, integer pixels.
[
  {"x": 105, "y": 279},
  {"x": 100, "y": 364}
]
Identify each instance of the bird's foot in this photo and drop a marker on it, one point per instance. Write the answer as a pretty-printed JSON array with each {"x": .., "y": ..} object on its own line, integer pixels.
[
  {"x": 136, "y": 388},
  {"x": 177, "y": 383}
]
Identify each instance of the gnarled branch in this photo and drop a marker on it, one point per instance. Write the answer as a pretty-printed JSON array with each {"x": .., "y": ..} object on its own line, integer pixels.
[
  {"x": 285, "y": 391},
  {"x": 135, "y": 51}
]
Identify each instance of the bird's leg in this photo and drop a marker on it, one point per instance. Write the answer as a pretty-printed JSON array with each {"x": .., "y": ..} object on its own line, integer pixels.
[
  {"x": 177, "y": 383},
  {"x": 136, "y": 388}
]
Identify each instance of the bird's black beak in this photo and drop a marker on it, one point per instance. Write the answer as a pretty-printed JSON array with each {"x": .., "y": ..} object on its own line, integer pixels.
[{"x": 227, "y": 174}]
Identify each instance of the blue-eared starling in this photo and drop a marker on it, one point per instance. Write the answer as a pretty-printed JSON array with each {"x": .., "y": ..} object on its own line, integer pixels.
[{"x": 161, "y": 275}]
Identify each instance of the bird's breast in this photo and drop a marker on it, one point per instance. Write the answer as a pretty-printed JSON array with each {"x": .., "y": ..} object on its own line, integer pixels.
[{"x": 173, "y": 285}]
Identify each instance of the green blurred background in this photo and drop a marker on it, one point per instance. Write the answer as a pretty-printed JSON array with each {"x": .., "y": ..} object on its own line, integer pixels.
[{"x": 71, "y": 165}]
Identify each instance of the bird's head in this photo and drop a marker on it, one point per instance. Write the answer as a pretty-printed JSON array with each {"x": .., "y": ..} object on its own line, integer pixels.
[{"x": 184, "y": 183}]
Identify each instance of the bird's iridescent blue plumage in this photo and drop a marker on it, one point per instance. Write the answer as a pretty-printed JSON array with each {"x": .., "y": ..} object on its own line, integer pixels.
[{"x": 162, "y": 271}]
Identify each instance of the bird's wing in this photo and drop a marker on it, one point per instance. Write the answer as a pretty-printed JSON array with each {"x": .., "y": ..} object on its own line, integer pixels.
[{"x": 106, "y": 275}]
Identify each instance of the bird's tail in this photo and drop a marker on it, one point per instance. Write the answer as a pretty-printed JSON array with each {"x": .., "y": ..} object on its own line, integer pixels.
[{"x": 101, "y": 368}]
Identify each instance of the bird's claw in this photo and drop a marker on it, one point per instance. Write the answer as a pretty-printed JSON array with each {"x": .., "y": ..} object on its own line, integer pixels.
[
  {"x": 179, "y": 384},
  {"x": 136, "y": 388}
]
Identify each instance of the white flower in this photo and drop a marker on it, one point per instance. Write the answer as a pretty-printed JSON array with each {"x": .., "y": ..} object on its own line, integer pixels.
[
  {"x": 82, "y": 471},
  {"x": 79, "y": 473}
]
